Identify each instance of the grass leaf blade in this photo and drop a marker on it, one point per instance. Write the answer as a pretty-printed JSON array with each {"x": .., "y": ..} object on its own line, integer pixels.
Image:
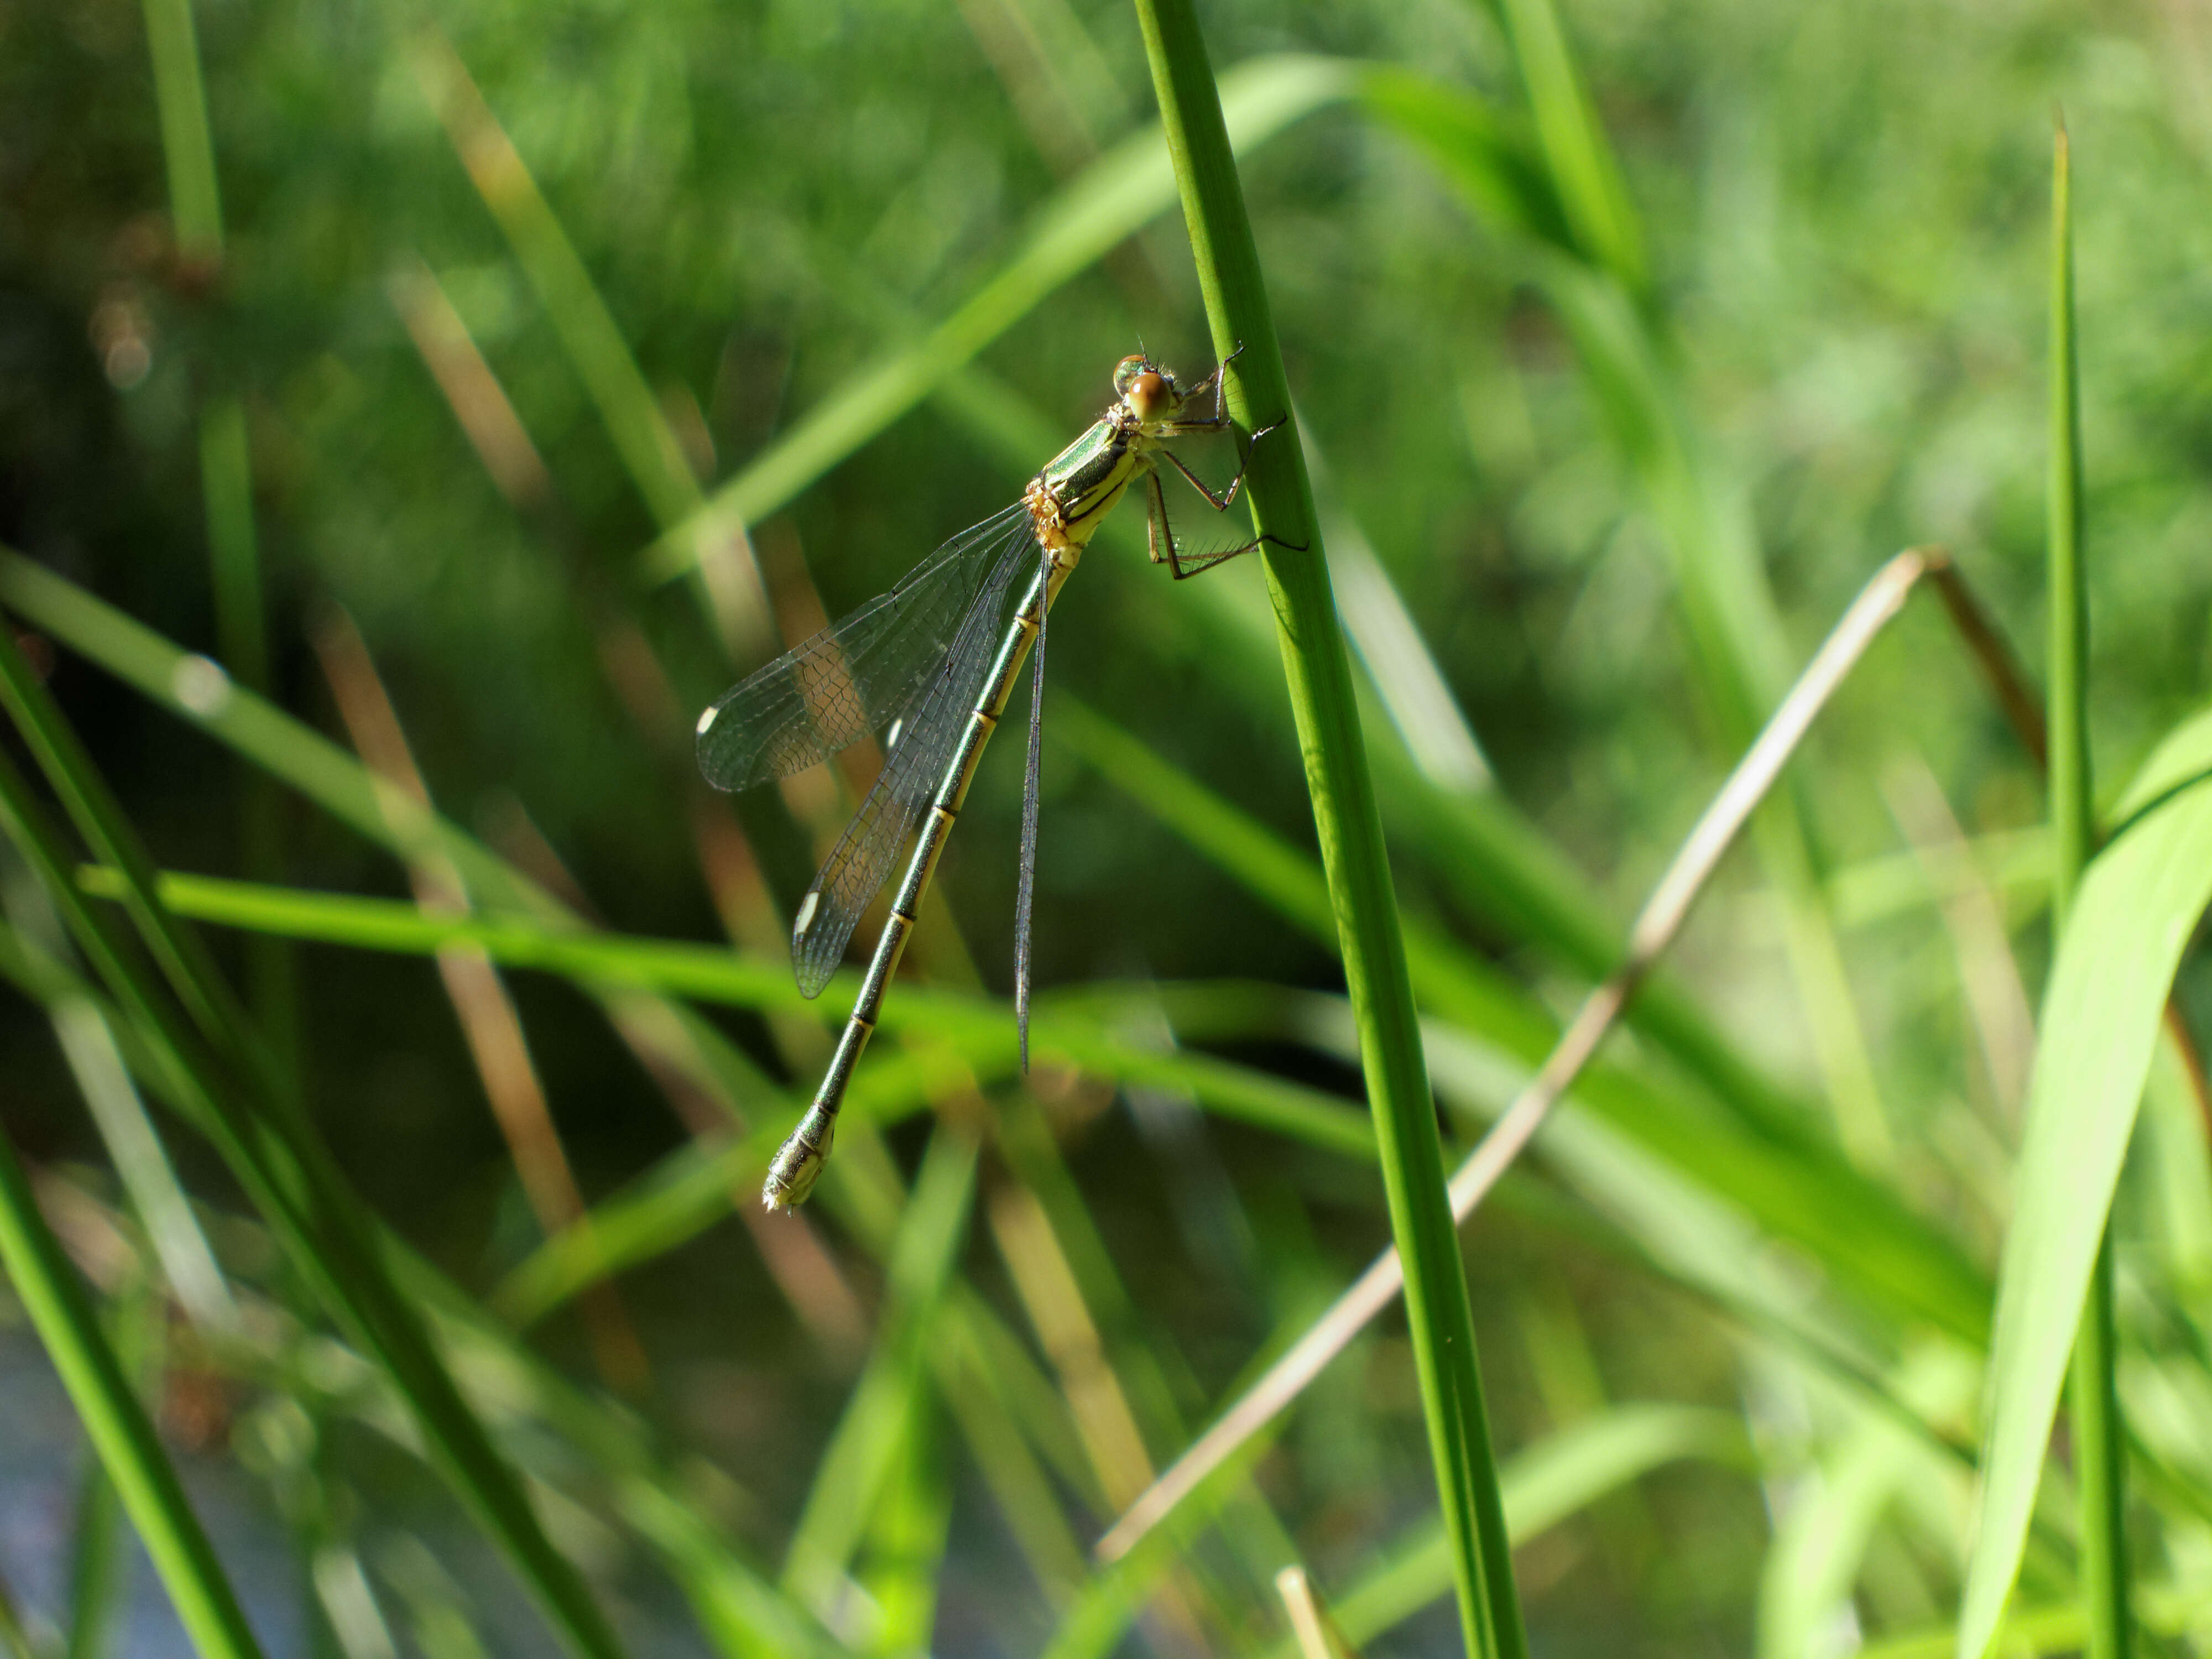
[{"x": 2137, "y": 905}]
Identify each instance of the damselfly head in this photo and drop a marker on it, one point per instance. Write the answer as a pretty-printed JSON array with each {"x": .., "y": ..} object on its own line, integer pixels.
[{"x": 1147, "y": 388}]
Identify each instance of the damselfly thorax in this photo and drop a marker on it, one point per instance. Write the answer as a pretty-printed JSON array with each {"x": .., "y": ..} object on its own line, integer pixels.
[{"x": 929, "y": 666}]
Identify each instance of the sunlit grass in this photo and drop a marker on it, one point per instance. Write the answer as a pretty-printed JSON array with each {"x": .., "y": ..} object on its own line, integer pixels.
[{"x": 1635, "y": 341}]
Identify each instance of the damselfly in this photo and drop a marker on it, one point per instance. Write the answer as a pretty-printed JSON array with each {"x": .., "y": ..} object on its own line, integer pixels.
[{"x": 930, "y": 666}]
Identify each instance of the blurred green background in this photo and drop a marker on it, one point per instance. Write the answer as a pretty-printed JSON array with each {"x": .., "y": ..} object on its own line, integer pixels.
[{"x": 1619, "y": 482}]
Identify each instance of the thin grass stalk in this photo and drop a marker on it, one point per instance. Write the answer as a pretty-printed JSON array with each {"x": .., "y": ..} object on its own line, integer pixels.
[
  {"x": 2100, "y": 1457},
  {"x": 117, "y": 1424},
  {"x": 225, "y": 463},
  {"x": 241, "y": 627},
  {"x": 100, "y": 1571},
  {"x": 187, "y": 146},
  {"x": 1350, "y": 831}
]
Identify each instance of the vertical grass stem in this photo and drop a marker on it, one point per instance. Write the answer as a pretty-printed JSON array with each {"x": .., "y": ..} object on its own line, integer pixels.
[
  {"x": 1350, "y": 831},
  {"x": 2098, "y": 1455}
]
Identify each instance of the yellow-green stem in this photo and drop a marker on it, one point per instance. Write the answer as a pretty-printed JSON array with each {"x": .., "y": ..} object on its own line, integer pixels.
[
  {"x": 2099, "y": 1467},
  {"x": 1349, "y": 828}
]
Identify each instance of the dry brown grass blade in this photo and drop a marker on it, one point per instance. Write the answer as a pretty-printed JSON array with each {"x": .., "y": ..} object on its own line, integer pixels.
[
  {"x": 1318, "y": 1637},
  {"x": 1655, "y": 926},
  {"x": 487, "y": 1014},
  {"x": 1046, "y": 1284},
  {"x": 1996, "y": 1002},
  {"x": 2024, "y": 711},
  {"x": 472, "y": 391}
]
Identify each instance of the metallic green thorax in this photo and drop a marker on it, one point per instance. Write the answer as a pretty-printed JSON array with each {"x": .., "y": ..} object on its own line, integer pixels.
[{"x": 1085, "y": 479}]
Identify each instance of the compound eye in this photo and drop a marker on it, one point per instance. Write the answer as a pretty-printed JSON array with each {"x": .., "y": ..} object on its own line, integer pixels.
[
  {"x": 1150, "y": 395},
  {"x": 1126, "y": 372}
]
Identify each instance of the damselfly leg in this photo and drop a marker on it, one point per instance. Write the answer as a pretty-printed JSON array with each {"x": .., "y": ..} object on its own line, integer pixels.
[{"x": 1160, "y": 538}]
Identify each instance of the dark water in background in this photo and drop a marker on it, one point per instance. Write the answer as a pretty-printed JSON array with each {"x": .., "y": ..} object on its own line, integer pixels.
[
  {"x": 42, "y": 1459},
  {"x": 42, "y": 1456}
]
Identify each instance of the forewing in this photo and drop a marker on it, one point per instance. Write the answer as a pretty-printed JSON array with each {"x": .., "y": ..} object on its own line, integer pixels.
[
  {"x": 861, "y": 674},
  {"x": 938, "y": 715}
]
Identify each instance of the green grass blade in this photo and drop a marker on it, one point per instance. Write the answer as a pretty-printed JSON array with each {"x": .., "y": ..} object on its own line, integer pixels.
[
  {"x": 227, "y": 476},
  {"x": 972, "y": 1393},
  {"x": 181, "y": 97},
  {"x": 1406, "y": 679},
  {"x": 437, "y": 1613},
  {"x": 92, "y": 806},
  {"x": 1485, "y": 153},
  {"x": 117, "y": 1424},
  {"x": 2100, "y": 1457},
  {"x": 1821, "y": 1540},
  {"x": 99, "y": 1572},
  {"x": 2138, "y": 904},
  {"x": 225, "y": 464},
  {"x": 975, "y": 1027},
  {"x": 17, "y": 1640},
  {"x": 887, "y": 1402},
  {"x": 142, "y": 1163},
  {"x": 2170, "y": 1611},
  {"x": 93, "y": 1043},
  {"x": 1582, "y": 167},
  {"x": 2073, "y": 807},
  {"x": 906, "y": 1539},
  {"x": 1032, "y": 1152},
  {"x": 1318, "y": 670},
  {"x": 736, "y": 1604},
  {"x": 1119, "y": 194},
  {"x": 1094, "y": 1624},
  {"x": 226, "y": 481}
]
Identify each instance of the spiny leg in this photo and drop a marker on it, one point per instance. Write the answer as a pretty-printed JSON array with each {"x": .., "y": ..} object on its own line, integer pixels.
[
  {"x": 1160, "y": 534},
  {"x": 1244, "y": 452}
]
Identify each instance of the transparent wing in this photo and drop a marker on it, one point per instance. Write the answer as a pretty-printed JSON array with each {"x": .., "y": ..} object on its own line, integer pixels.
[
  {"x": 930, "y": 733},
  {"x": 861, "y": 674}
]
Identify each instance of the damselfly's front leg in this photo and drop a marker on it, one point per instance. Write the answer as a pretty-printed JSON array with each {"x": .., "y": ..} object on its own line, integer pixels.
[{"x": 1218, "y": 422}]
